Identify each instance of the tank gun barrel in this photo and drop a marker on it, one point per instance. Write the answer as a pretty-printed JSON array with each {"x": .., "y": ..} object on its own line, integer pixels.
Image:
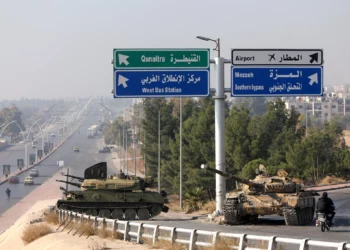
[
  {"x": 230, "y": 176},
  {"x": 71, "y": 183},
  {"x": 75, "y": 177}
]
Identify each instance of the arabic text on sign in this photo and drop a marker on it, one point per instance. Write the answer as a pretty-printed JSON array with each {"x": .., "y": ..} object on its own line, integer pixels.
[
  {"x": 174, "y": 78},
  {"x": 184, "y": 59}
]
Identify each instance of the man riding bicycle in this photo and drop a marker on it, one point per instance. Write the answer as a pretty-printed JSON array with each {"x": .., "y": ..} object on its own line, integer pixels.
[{"x": 326, "y": 205}]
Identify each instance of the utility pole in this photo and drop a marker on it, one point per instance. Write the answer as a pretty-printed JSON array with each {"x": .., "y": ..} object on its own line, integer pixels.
[
  {"x": 181, "y": 204},
  {"x": 126, "y": 139},
  {"x": 123, "y": 149},
  {"x": 144, "y": 152},
  {"x": 134, "y": 150},
  {"x": 219, "y": 124},
  {"x": 120, "y": 142},
  {"x": 159, "y": 150}
]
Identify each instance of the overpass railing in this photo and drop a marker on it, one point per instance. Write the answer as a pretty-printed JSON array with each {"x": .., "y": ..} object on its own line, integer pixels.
[{"x": 194, "y": 238}]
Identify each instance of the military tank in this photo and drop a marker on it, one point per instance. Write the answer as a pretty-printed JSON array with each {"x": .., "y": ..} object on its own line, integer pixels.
[
  {"x": 267, "y": 195},
  {"x": 118, "y": 197}
]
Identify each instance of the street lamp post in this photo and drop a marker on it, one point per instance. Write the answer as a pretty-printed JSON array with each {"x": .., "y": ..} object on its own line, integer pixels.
[
  {"x": 159, "y": 150},
  {"x": 181, "y": 204},
  {"x": 134, "y": 150},
  {"x": 219, "y": 125}
]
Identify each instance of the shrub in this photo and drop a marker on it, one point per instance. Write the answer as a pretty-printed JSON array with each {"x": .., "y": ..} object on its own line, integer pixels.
[{"x": 33, "y": 232}]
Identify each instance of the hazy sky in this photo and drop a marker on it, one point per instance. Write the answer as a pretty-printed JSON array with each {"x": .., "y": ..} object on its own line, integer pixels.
[{"x": 64, "y": 47}]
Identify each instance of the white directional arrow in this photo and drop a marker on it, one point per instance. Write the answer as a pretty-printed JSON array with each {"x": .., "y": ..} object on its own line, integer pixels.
[
  {"x": 123, "y": 59},
  {"x": 313, "y": 79},
  {"x": 122, "y": 81}
]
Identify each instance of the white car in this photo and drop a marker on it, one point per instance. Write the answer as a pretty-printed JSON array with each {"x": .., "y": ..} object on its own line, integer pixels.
[{"x": 34, "y": 173}]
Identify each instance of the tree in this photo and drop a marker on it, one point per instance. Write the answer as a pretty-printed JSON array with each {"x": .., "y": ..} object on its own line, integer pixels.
[
  {"x": 237, "y": 139},
  {"x": 12, "y": 114},
  {"x": 151, "y": 107}
]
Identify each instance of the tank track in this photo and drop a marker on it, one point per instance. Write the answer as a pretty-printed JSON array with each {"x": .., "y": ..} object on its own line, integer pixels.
[
  {"x": 230, "y": 212},
  {"x": 84, "y": 208},
  {"x": 298, "y": 216}
]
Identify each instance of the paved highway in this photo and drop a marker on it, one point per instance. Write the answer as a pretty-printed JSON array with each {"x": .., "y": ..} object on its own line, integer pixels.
[
  {"x": 275, "y": 225},
  {"x": 77, "y": 162},
  {"x": 10, "y": 154}
]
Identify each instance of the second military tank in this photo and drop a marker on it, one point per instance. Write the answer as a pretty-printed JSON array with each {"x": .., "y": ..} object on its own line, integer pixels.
[
  {"x": 267, "y": 195},
  {"x": 117, "y": 197}
]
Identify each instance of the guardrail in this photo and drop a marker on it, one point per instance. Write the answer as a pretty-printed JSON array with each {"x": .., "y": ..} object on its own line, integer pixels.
[{"x": 192, "y": 238}]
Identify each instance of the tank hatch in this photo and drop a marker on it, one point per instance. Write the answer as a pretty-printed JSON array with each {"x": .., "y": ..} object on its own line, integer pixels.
[{"x": 97, "y": 171}]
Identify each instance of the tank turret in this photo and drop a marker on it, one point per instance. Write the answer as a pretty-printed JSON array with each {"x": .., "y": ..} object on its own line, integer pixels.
[
  {"x": 250, "y": 184},
  {"x": 263, "y": 183},
  {"x": 117, "y": 196},
  {"x": 267, "y": 195}
]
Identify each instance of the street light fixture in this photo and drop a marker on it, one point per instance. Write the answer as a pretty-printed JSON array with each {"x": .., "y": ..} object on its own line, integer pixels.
[{"x": 217, "y": 42}]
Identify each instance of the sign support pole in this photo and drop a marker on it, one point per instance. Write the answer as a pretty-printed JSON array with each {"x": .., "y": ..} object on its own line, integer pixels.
[
  {"x": 159, "y": 150},
  {"x": 220, "y": 132},
  {"x": 181, "y": 206}
]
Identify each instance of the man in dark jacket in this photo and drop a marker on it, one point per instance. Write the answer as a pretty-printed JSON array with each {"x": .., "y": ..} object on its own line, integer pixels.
[{"x": 325, "y": 205}]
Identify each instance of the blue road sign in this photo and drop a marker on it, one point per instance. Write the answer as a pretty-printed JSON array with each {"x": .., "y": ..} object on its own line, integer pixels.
[
  {"x": 161, "y": 83},
  {"x": 276, "y": 81}
]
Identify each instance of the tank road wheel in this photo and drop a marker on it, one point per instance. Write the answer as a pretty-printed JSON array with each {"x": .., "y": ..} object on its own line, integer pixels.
[
  {"x": 117, "y": 214},
  {"x": 130, "y": 214},
  {"x": 230, "y": 212},
  {"x": 143, "y": 214},
  {"x": 104, "y": 213},
  {"x": 156, "y": 209},
  {"x": 291, "y": 216},
  {"x": 91, "y": 211}
]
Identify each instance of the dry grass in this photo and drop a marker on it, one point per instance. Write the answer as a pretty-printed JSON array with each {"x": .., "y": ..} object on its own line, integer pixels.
[
  {"x": 88, "y": 229},
  {"x": 35, "y": 231},
  {"x": 174, "y": 203},
  {"x": 331, "y": 180},
  {"x": 223, "y": 244},
  {"x": 51, "y": 217},
  {"x": 105, "y": 233},
  {"x": 163, "y": 244},
  {"x": 209, "y": 207},
  {"x": 97, "y": 245}
]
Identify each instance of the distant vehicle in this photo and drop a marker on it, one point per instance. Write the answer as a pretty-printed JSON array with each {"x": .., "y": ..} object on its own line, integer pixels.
[
  {"x": 22, "y": 142},
  {"x": 105, "y": 149},
  {"x": 76, "y": 149},
  {"x": 28, "y": 180},
  {"x": 34, "y": 143},
  {"x": 34, "y": 173},
  {"x": 13, "y": 179},
  {"x": 53, "y": 135}
]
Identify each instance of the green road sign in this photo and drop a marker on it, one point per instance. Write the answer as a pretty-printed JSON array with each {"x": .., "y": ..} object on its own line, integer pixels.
[{"x": 160, "y": 58}]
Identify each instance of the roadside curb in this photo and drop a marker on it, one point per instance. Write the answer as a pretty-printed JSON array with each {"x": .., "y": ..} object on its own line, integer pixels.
[{"x": 42, "y": 159}]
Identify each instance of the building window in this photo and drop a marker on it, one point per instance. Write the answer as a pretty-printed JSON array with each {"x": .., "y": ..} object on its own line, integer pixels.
[
  {"x": 326, "y": 114},
  {"x": 325, "y": 106},
  {"x": 292, "y": 106},
  {"x": 334, "y": 106},
  {"x": 301, "y": 106}
]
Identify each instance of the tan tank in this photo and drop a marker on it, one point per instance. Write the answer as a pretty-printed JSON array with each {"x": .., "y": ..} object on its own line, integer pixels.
[{"x": 267, "y": 195}]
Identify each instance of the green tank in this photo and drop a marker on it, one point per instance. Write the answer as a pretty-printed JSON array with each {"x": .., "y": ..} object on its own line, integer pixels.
[
  {"x": 267, "y": 195},
  {"x": 118, "y": 196}
]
